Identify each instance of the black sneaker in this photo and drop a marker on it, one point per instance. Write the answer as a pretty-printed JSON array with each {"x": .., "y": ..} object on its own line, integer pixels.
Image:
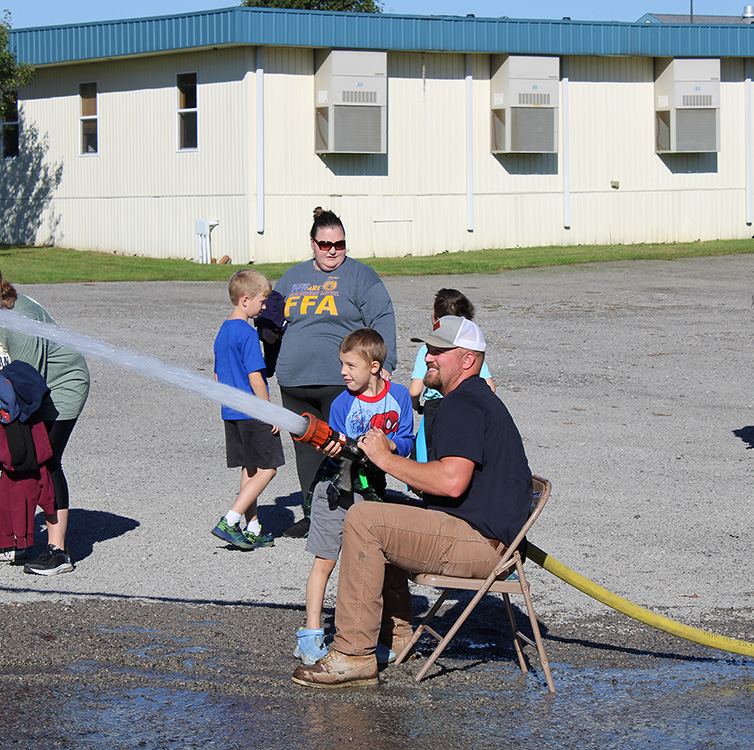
[
  {"x": 299, "y": 530},
  {"x": 51, "y": 562}
]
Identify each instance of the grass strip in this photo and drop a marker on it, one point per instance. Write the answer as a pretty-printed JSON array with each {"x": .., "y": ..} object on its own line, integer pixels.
[{"x": 51, "y": 265}]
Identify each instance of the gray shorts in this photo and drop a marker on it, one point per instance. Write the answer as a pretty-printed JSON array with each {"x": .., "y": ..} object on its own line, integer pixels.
[{"x": 326, "y": 530}]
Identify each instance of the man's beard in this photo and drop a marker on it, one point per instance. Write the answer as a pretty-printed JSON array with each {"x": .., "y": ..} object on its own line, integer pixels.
[{"x": 433, "y": 380}]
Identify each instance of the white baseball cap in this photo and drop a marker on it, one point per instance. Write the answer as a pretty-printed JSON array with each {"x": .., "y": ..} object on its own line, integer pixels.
[{"x": 451, "y": 331}]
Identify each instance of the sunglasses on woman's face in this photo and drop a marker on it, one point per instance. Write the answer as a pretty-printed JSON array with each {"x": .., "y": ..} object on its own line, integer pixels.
[{"x": 326, "y": 245}]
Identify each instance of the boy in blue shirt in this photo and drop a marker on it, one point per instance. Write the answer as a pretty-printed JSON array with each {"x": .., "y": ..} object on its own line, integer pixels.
[
  {"x": 249, "y": 443},
  {"x": 369, "y": 401}
]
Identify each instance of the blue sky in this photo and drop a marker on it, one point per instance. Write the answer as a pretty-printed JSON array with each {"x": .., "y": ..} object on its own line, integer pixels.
[{"x": 48, "y": 12}]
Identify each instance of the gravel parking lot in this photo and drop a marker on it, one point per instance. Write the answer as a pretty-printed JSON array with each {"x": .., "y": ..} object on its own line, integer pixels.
[{"x": 628, "y": 382}]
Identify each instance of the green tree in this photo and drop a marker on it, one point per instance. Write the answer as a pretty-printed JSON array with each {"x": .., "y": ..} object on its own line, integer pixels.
[
  {"x": 357, "y": 6},
  {"x": 12, "y": 73}
]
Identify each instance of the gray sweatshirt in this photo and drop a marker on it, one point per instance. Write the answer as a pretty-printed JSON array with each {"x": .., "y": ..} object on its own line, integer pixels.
[{"x": 321, "y": 309}]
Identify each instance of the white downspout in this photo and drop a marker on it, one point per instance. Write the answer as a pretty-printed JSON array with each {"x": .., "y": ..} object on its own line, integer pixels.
[
  {"x": 566, "y": 151},
  {"x": 260, "y": 140},
  {"x": 469, "y": 146},
  {"x": 747, "y": 138}
]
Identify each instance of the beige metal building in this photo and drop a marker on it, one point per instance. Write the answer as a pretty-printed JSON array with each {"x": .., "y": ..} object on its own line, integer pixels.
[{"x": 425, "y": 134}]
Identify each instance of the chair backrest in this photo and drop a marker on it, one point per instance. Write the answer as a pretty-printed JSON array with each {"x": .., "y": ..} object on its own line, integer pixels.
[{"x": 540, "y": 492}]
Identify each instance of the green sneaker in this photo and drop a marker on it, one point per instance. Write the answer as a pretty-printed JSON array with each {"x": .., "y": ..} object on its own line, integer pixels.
[
  {"x": 232, "y": 534},
  {"x": 259, "y": 540}
]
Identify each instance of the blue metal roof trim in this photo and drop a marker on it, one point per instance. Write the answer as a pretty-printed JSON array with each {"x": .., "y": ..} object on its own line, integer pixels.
[{"x": 288, "y": 28}]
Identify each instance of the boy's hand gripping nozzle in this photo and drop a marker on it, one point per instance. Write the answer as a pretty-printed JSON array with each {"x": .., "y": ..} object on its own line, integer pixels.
[{"x": 319, "y": 433}]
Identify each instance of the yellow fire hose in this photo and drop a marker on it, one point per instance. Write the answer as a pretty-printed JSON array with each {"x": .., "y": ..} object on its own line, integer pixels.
[{"x": 551, "y": 565}]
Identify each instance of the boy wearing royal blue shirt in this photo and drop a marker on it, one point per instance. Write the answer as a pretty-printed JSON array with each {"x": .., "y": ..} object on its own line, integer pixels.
[{"x": 249, "y": 443}]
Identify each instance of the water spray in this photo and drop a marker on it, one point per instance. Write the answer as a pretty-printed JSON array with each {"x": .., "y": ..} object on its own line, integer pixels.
[
  {"x": 304, "y": 429},
  {"x": 155, "y": 368}
]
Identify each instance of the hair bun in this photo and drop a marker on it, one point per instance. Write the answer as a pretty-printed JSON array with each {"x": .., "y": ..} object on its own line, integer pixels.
[
  {"x": 8, "y": 294},
  {"x": 318, "y": 211}
]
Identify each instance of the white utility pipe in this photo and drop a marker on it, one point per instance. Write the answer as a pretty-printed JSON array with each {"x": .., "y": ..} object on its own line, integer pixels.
[
  {"x": 469, "y": 146},
  {"x": 260, "y": 140},
  {"x": 566, "y": 151},
  {"x": 747, "y": 139}
]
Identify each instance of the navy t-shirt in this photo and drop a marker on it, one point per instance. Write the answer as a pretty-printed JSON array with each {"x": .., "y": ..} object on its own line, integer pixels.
[{"x": 473, "y": 423}]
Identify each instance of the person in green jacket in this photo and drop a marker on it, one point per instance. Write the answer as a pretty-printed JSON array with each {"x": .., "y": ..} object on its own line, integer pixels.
[{"x": 67, "y": 377}]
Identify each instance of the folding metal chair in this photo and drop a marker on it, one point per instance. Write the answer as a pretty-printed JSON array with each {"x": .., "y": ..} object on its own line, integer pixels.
[{"x": 497, "y": 582}]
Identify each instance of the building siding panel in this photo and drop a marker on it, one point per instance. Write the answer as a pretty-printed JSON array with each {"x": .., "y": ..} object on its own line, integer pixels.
[{"x": 140, "y": 195}]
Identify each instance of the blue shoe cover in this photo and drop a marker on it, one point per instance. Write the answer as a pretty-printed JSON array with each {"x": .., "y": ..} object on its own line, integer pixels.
[{"x": 310, "y": 645}]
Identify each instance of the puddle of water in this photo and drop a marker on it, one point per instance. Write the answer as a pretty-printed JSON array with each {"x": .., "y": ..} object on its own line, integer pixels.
[
  {"x": 149, "y": 718},
  {"x": 672, "y": 705},
  {"x": 127, "y": 630},
  {"x": 165, "y": 651}
]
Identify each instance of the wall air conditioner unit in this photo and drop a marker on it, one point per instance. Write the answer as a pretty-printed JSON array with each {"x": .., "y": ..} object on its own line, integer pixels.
[
  {"x": 350, "y": 102},
  {"x": 687, "y": 106},
  {"x": 524, "y": 97}
]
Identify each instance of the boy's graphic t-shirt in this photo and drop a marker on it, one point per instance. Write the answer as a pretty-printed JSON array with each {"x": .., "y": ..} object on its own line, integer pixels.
[{"x": 389, "y": 411}]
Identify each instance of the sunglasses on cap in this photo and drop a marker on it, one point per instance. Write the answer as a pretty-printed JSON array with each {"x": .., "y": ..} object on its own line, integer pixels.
[{"x": 326, "y": 244}]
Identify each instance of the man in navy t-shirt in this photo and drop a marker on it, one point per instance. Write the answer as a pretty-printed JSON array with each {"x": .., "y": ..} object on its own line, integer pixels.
[{"x": 477, "y": 492}]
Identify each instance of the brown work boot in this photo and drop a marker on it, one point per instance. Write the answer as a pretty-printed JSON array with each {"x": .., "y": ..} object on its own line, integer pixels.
[
  {"x": 338, "y": 670},
  {"x": 399, "y": 644}
]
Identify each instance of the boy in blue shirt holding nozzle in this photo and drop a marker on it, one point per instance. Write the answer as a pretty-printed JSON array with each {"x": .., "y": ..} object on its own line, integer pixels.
[{"x": 369, "y": 402}]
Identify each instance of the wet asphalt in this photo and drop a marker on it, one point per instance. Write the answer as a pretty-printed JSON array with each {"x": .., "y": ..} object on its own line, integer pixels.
[{"x": 115, "y": 674}]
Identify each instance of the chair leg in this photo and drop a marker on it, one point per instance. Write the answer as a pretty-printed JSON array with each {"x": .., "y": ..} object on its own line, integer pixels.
[
  {"x": 444, "y": 642},
  {"x": 422, "y": 627},
  {"x": 537, "y": 635},
  {"x": 514, "y": 631}
]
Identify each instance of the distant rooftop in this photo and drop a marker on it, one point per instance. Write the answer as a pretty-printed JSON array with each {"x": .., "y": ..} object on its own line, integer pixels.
[{"x": 685, "y": 18}]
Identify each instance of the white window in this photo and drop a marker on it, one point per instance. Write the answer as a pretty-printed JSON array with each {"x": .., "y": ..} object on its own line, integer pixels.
[
  {"x": 9, "y": 125},
  {"x": 88, "y": 118},
  {"x": 188, "y": 138}
]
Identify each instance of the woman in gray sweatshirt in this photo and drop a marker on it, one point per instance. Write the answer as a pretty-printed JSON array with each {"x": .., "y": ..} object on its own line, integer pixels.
[{"x": 325, "y": 299}]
